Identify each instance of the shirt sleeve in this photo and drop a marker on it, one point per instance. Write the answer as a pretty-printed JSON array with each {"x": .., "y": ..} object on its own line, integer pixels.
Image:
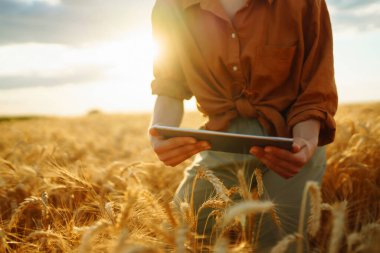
[
  {"x": 318, "y": 95},
  {"x": 168, "y": 75}
]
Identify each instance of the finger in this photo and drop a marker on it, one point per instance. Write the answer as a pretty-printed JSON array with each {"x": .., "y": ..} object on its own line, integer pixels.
[
  {"x": 173, "y": 161},
  {"x": 296, "y": 148},
  {"x": 257, "y": 151},
  {"x": 283, "y": 164},
  {"x": 270, "y": 165},
  {"x": 283, "y": 154},
  {"x": 153, "y": 132},
  {"x": 173, "y": 143},
  {"x": 298, "y": 144},
  {"x": 183, "y": 151}
]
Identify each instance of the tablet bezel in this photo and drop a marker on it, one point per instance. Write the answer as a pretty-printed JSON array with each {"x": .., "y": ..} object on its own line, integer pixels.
[{"x": 223, "y": 141}]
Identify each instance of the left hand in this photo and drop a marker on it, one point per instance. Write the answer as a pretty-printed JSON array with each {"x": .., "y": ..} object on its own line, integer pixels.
[{"x": 287, "y": 163}]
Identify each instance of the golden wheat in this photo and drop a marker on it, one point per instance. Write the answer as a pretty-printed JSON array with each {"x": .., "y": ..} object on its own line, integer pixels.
[
  {"x": 283, "y": 245},
  {"x": 246, "y": 207},
  {"x": 339, "y": 210},
  {"x": 62, "y": 177},
  {"x": 221, "y": 190}
]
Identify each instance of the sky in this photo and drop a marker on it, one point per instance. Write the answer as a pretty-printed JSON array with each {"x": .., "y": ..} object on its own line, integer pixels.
[{"x": 67, "y": 57}]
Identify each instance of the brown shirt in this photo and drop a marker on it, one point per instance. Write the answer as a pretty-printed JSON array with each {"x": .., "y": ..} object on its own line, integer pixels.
[{"x": 273, "y": 62}]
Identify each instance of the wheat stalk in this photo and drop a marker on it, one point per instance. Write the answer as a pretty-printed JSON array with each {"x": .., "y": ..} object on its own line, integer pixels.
[
  {"x": 181, "y": 238},
  {"x": 187, "y": 213},
  {"x": 353, "y": 240},
  {"x": 85, "y": 245},
  {"x": 276, "y": 219},
  {"x": 233, "y": 190},
  {"x": 221, "y": 245},
  {"x": 246, "y": 207},
  {"x": 109, "y": 207},
  {"x": 40, "y": 233},
  {"x": 3, "y": 241},
  {"x": 326, "y": 207},
  {"x": 283, "y": 245},
  {"x": 120, "y": 245},
  {"x": 243, "y": 185},
  {"x": 28, "y": 202},
  {"x": 339, "y": 210},
  {"x": 130, "y": 199},
  {"x": 213, "y": 203},
  {"x": 170, "y": 215},
  {"x": 363, "y": 241},
  {"x": 312, "y": 188},
  {"x": 315, "y": 211},
  {"x": 259, "y": 181},
  {"x": 36, "y": 236},
  {"x": 221, "y": 191},
  {"x": 8, "y": 164}
]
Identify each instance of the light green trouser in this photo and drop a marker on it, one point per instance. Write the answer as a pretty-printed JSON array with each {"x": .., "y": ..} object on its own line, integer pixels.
[{"x": 285, "y": 193}]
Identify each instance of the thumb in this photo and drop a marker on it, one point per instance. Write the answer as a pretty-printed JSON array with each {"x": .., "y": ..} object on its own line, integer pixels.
[
  {"x": 153, "y": 132},
  {"x": 298, "y": 144},
  {"x": 296, "y": 148}
]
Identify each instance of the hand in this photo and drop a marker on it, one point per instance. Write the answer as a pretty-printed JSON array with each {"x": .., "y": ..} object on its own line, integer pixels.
[
  {"x": 287, "y": 163},
  {"x": 175, "y": 150}
]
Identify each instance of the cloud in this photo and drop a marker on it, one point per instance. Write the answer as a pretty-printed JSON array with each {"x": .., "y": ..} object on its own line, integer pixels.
[
  {"x": 79, "y": 76},
  {"x": 356, "y": 15},
  {"x": 349, "y": 4},
  {"x": 48, "y": 2},
  {"x": 70, "y": 21},
  {"x": 75, "y": 22}
]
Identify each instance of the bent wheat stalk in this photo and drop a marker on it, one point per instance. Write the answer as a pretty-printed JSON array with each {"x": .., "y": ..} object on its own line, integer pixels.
[
  {"x": 85, "y": 245},
  {"x": 312, "y": 188},
  {"x": 338, "y": 212},
  {"x": 259, "y": 181},
  {"x": 315, "y": 213},
  {"x": 220, "y": 189},
  {"x": 283, "y": 245},
  {"x": 246, "y": 207},
  {"x": 243, "y": 185}
]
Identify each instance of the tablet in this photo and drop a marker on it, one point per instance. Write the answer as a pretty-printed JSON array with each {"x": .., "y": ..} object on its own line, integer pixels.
[{"x": 225, "y": 142}]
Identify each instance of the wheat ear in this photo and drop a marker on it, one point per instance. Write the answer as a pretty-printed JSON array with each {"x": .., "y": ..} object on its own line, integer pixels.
[
  {"x": 120, "y": 245},
  {"x": 314, "y": 188},
  {"x": 213, "y": 203},
  {"x": 243, "y": 185},
  {"x": 85, "y": 245},
  {"x": 3, "y": 241},
  {"x": 283, "y": 245},
  {"x": 221, "y": 245},
  {"x": 180, "y": 239},
  {"x": 338, "y": 212},
  {"x": 275, "y": 218},
  {"x": 353, "y": 240},
  {"x": 28, "y": 202},
  {"x": 315, "y": 211},
  {"x": 221, "y": 191},
  {"x": 259, "y": 181},
  {"x": 246, "y": 207}
]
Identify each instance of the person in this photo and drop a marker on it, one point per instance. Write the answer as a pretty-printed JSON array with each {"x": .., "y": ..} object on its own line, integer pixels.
[{"x": 262, "y": 67}]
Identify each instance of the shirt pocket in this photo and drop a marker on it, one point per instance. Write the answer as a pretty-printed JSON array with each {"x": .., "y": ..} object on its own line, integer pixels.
[{"x": 273, "y": 65}]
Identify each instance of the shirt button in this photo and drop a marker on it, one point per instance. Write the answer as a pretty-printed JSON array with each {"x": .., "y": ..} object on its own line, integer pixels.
[
  {"x": 233, "y": 35},
  {"x": 235, "y": 68}
]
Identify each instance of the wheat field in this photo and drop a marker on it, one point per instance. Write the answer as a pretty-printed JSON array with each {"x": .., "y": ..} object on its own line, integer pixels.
[{"x": 93, "y": 184}]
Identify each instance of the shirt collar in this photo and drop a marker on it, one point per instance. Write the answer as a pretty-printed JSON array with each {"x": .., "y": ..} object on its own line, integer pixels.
[{"x": 188, "y": 3}]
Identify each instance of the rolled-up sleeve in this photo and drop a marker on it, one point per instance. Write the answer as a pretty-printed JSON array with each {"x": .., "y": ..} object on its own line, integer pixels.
[
  {"x": 318, "y": 95},
  {"x": 168, "y": 75}
]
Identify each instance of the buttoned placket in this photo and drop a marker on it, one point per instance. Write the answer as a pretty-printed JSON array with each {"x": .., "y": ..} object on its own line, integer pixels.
[
  {"x": 234, "y": 63},
  {"x": 233, "y": 55}
]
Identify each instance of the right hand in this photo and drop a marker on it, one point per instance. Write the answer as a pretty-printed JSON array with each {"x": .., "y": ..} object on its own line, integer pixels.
[{"x": 175, "y": 150}]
